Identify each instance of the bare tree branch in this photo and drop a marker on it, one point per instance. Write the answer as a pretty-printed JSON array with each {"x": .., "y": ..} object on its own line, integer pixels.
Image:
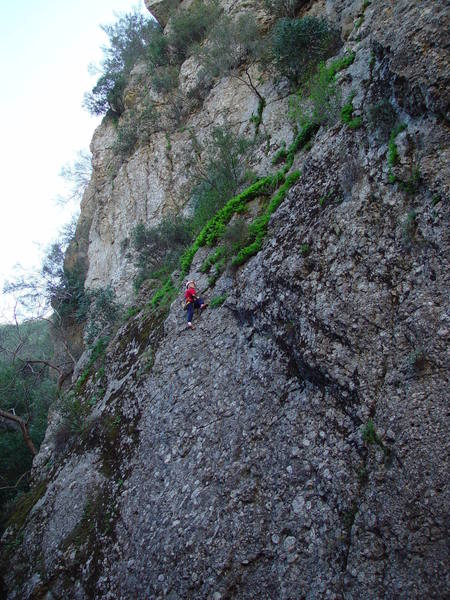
[
  {"x": 15, "y": 486},
  {"x": 24, "y": 428}
]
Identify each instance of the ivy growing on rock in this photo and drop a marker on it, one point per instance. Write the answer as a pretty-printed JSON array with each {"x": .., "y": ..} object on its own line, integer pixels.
[
  {"x": 347, "y": 114},
  {"x": 318, "y": 100},
  {"x": 392, "y": 155}
]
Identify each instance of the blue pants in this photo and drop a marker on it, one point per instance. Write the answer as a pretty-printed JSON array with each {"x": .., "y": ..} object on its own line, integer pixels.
[{"x": 190, "y": 309}]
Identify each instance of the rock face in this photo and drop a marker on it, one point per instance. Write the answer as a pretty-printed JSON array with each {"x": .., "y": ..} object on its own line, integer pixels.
[
  {"x": 154, "y": 179},
  {"x": 160, "y": 9},
  {"x": 294, "y": 445}
]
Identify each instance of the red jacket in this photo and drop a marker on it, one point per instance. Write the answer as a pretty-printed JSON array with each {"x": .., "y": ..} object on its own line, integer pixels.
[{"x": 190, "y": 294}]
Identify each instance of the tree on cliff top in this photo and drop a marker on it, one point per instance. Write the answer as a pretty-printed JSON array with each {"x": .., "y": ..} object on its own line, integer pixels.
[
  {"x": 129, "y": 41},
  {"x": 298, "y": 45},
  {"x": 233, "y": 46}
]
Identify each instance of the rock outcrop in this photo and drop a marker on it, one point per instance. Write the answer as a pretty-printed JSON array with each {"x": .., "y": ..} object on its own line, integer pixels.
[{"x": 294, "y": 445}]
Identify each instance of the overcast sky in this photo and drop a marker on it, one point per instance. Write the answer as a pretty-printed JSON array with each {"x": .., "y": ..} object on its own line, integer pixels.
[{"x": 45, "y": 49}]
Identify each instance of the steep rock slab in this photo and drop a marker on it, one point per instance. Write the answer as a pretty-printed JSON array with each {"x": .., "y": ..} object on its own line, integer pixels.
[{"x": 294, "y": 444}]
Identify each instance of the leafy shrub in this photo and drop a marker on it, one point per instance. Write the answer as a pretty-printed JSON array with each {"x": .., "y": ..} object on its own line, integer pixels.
[
  {"x": 103, "y": 314},
  {"x": 392, "y": 147},
  {"x": 188, "y": 27},
  {"x": 258, "y": 229},
  {"x": 217, "y": 173},
  {"x": 411, "y": 185},
  {"x": 129, "y": 40},
  {"x": 283, "y": 8},
  {"x": 215, "y": 227},
  {"x": 106, "y": 95},
  {"x": 169, "y": 233},
  {"x": 165, "y": 79},
  {"x": 131, "y": 312},
  {"x": 347, "y": 114},
  {"x": 216, "y": 176},
  {"x": 257, "y": 119},
  {"x": 165, "y": 53},
  {"x": 230, "y": 42},
  {"x": 164, "y": 296},
  {"x": 359, "y": 22},
  {"x": 392, "y": 155},
  {"x": 305, "y": 249},
  {"x": 323, "y": 200},
  {"x": 235, "y": 235},
  {"x": 280, "y": 155},
  {"x": 302, "y": 140},
  {"x": 212, "y": 259},
  {"x": 127, "y": 136},
  {"x": 157, "y": 52},
  {"x": 149, "y": 122},
  {"x": 370, "y": 435},
  {"x": 218, "y": 301},
  {"x": 299, "y": 44},
  {"x": 318, "y": 101},
  {"x": 64, "y": 286},
  {"x": 342, "y": 63},
  {"x": 158, "y": 248},
  {"x": 74, "y": 413},
  {"x": 98, "y": 352},
  {"x": 436, "y": 199},
  {"x": 219, "y": 268}
]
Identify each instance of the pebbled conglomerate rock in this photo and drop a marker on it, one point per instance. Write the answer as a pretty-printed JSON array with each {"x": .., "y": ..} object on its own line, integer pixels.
[{"x": 294, "y": 445}]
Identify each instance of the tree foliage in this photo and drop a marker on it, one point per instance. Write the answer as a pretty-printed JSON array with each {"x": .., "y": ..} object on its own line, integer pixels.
[
  {"x": 136, "y": 38},
  {"x": 217, "y": 172},
  {"x": 218, "y": 168},
  {"x": 284, "y": 8},
  {"x": 129, "y": 41},
  {"x": 104, "y": 312},
  {"x": 26, "y": 392},
  {"x": 158, "y": 248},
  {"x": 56, "y": 286},
  {"x": 77, "y": 175},
  {"x": 299, "y": 44},
  {"x": 319, "y": 99},
  {"x": 231, "y": 42},
  {"x": 189, "y": 27}
]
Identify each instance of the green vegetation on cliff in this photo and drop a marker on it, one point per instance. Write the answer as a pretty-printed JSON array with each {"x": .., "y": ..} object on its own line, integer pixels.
[
  {"x": 221, "y": 193},
  {"x": 27, "y": 389}
]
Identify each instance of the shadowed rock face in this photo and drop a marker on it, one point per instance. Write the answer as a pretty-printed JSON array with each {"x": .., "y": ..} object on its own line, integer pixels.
[
  {"x": 294, "y": 445},
  {"x": 160, "y": 9}
]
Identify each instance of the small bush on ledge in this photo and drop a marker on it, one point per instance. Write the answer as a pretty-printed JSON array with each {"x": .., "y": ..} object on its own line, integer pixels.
[
  {"x": 347, "y": 114},
  {"x": 218, "y": 301},
  {"x": 299, "y": 44}
]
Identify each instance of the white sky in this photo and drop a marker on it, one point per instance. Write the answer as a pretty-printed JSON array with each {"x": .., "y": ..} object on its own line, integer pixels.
[{"x": 45, "y": 49}]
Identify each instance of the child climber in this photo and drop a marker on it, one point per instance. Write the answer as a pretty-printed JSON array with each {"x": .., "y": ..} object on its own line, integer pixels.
[{"x": 192, "y": 301}]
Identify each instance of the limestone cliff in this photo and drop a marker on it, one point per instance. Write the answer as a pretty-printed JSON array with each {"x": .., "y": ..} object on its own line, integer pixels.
[
  {"x": 154, "y": 180},
  {"x": 294, "y": 445}
]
